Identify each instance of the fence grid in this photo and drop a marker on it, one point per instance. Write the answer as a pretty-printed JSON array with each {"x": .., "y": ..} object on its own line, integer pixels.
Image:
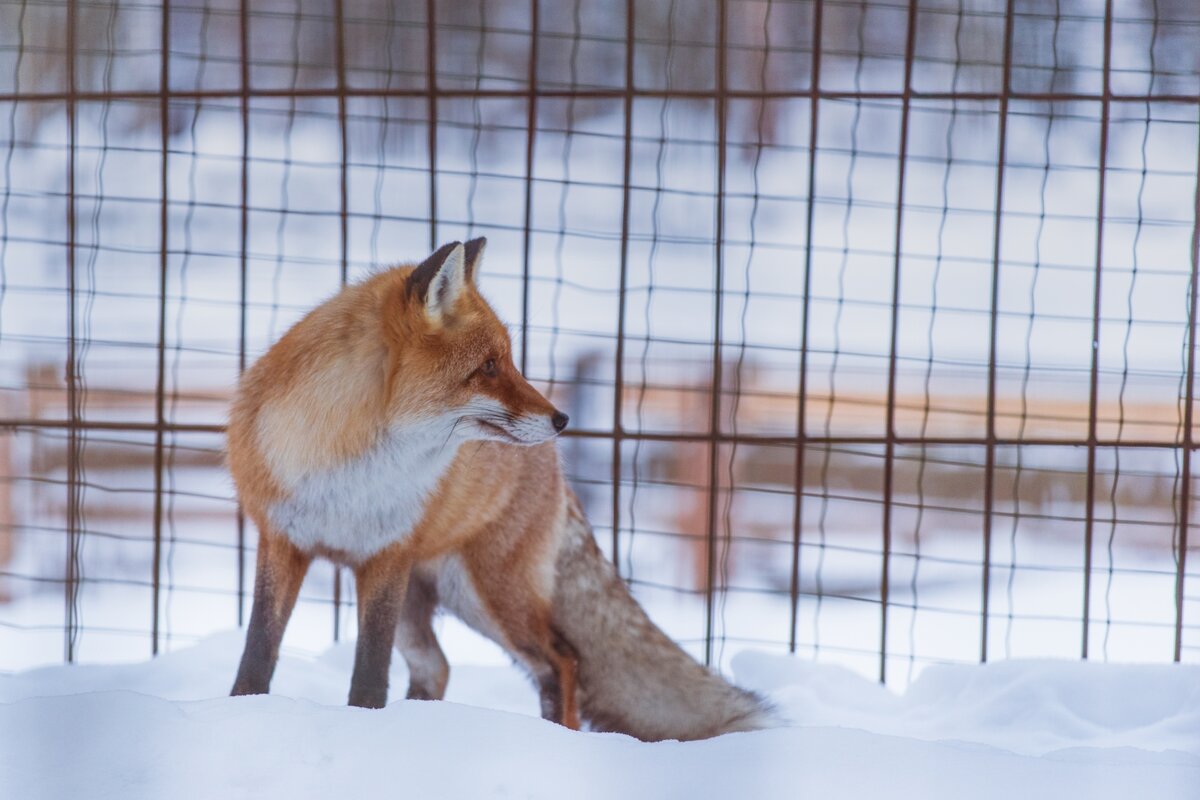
[{"x": 877, "y": 317}]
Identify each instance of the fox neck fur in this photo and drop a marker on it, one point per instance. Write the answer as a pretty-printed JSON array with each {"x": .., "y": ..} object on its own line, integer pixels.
[
  {"x": 362, "y": 505},
  {"x": 354, "y": 475}
]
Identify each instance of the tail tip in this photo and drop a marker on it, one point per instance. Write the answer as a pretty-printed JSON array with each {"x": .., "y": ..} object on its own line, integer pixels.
[{"x": 762, "y": 716}]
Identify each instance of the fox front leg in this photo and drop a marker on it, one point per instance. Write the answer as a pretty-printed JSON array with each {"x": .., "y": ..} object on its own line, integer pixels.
[
  {"x": 381, "y": 584},
  {"x": 280, "y": 571}
]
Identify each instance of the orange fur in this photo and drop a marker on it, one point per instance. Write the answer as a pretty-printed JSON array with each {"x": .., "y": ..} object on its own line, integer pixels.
[{"x": 366, "y": 365}]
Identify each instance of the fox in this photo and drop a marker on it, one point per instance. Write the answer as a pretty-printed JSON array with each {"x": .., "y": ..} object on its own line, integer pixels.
[
  {"x": 389, "y": 431},
  {"x": 377, "y": 433}
]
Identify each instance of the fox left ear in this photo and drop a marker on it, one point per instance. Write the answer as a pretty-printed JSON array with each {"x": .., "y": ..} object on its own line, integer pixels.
[
  {"x": 474, "y": 254},
  {"x": 440, "y": 280}
]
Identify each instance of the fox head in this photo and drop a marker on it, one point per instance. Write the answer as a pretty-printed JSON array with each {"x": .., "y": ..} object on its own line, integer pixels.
[{"x": 452, "y": 356}]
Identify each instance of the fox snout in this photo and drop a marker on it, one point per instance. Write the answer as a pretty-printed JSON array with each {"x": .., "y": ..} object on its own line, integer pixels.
[
  {"x": 513, "y": 411},
  {"x": 491, "y": 420}
]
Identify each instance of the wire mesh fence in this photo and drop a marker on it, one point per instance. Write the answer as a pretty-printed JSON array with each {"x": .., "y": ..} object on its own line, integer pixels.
[{"x": 876, "y": 320}]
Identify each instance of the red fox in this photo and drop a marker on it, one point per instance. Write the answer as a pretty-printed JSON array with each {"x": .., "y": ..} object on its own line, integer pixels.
[{"x": 390, "y": 431}]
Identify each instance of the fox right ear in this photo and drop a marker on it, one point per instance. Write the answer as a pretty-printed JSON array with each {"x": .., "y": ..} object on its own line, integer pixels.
[
  {"x": 474, "y": 250},
  {"x": 440, "y": 280}
]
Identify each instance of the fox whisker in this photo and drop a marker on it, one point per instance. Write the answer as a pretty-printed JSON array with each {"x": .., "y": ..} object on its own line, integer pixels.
[{"x": 449, "y": 434}]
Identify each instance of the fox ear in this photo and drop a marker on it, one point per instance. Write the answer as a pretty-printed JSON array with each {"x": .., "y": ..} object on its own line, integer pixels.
[
  {"x": 440, "y": 280},
  {"x": 474, "y": 250}
]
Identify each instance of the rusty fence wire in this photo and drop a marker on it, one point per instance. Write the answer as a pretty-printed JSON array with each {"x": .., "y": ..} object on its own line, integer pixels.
[{"x": 875, "y": 318}]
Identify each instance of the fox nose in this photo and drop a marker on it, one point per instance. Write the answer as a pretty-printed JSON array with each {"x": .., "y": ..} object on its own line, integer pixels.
[{"x": 559, "y": 420}]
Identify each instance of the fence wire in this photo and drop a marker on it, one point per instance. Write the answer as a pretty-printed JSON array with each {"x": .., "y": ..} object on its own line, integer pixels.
[{"x": 875, "y": 318}]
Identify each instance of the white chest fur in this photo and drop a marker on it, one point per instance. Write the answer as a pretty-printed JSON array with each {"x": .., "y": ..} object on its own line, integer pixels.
[{"x": 364, "y": 505}]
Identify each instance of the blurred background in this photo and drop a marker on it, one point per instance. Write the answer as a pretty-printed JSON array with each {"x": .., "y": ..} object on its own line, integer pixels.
[{"x": 875, "y": 319}]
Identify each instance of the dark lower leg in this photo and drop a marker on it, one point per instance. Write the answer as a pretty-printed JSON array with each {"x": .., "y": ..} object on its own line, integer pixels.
[
  {"x": 549, "y": 694},
  {"x": 381, "y": 589},
  {"x": 280, "y": 571}
]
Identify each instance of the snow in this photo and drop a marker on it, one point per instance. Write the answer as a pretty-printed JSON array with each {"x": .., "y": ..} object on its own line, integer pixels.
[{"x": 165, "y": 728}]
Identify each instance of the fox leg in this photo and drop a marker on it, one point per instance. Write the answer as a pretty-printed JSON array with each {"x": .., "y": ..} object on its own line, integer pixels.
[
  {"x": 381, "y": 584},
  {"x": 280, "y": 571},
  {"x": 553, "y": 662},
  {"x": 558, "y": 695},
  {"x": 516, "y": 609},
  {"x": 428, "y": 669}
]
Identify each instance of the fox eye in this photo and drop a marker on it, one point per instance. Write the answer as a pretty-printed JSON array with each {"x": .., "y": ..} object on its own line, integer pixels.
[{"x": 489, "y": 368}]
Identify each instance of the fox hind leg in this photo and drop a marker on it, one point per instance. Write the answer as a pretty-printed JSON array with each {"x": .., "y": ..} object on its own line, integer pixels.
[
  {"x": 428, "y": 669},
  {"x": 516, "y": 605},
  {"x": 560, "y": 693},
  {"x": 553, "y": 662}
]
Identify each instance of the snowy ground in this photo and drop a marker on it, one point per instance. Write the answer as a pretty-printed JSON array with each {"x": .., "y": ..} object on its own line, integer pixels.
[{"x": 1021, "y": 728}]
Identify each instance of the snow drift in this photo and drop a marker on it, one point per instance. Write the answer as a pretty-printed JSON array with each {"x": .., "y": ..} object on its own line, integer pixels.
[{"x": 165, "y": 729}]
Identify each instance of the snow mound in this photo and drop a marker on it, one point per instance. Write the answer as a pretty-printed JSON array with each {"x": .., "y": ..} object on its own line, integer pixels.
[
  {"x": 165, "y": 729},
  {"x": 1027, "y": 707}
]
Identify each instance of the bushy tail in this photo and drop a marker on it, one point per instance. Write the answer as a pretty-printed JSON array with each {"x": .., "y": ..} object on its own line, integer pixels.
[{"x": 632, "y": 678}]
